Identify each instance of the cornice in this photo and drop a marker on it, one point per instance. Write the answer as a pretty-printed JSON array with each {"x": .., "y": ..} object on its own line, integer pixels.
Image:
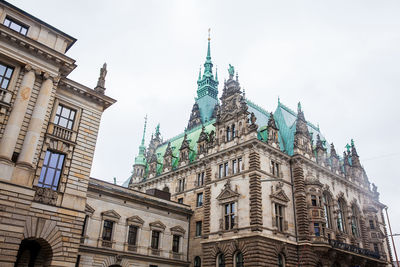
[
  {"x": 86, "y": 92},
  {"x": 66, "y": 64},
  {"x": 116, "y": 191}
]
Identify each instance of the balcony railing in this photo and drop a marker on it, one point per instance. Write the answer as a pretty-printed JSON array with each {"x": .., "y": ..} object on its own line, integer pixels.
[
  {"x": 5, "y": 96},
  {"x": 106, "y": 243},
  {"x": 132, "y": 248},
  {"x": 354, "y": 249},
  {"x": 62, "y": 133}
]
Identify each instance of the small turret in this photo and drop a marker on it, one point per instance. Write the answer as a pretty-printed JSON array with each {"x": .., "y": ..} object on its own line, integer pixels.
[
  {"x": 184, "y": 150},
  {"x": 272, "y": 132},
  {"x": 202, "y": 142},
  {"x": 334, "y": 158},
  {"x": 320, "y": 150},
  {"x": 302, "y": 137},
  {"x": 139, "y": 167}
]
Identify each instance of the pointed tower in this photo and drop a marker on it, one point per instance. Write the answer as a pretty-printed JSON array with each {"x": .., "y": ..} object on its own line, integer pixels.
[
  {"x": 302, "y": 140},
  {"x": 207, "y": 91},
  {"x": 320, "y": 150},
  {"x": 272, "y": 132},
  {"x": 139, "y": 167}
]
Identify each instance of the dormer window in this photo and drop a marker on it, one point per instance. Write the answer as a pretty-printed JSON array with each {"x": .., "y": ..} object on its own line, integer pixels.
[{"x": 16, "y": 26}]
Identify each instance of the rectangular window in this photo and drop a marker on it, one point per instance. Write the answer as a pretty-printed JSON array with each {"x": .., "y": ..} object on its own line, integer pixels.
[
  {"x": 229, "y": 216},
  {"x": 180, "y": 200},
  {"x": 314, "y": 200},
  {"x": 51, "y": 170},
  {"x": 240, "y": 164},
  {"x": 155, "y": 239},
  {"x": 5, "y": 76},
  {"x": 199, "y": 226},
  {"x": 181, "y": 185},
  {"x": 175, "y": 243},
  {"x": 199, "y": 201},
  {"x": 317, "y": 230},
  {"x": 16, "y": 26},
  {"x": 107, "y": 230},
  {"x": 371, "y": 224},
  {"x": 234, "y": 166},
  {"x": 226, "y": 169},
  {"x": 275, "y": 168},
  {"x": 132, "y": 235},
  {"x": 279, "y": 217},
  {"x": 221, "y": 169},
  {"x": 200, "y": 179},
  {"x": 65, "y": 117},
  {"x": 376, "y": 248}
]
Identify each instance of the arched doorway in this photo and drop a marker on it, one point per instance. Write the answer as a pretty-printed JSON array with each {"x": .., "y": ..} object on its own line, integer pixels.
[{"x": 34, "y": 252}]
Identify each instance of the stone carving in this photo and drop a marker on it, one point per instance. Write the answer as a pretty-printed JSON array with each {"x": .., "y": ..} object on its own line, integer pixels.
[
  {"x": 231, "y": 71},
  {"x": 253, "y": 126},
  {"x": 46, "y": 196},
  {"x": 195, "y": 117},
  {"x": 102, "y": 80}
]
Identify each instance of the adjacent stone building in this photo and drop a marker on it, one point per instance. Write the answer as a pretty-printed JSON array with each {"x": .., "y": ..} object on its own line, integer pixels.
[{"x": 266, "y": 189}]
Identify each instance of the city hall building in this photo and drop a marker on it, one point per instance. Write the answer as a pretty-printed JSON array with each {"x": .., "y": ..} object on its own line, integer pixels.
[{"x": 240, "y": 186}]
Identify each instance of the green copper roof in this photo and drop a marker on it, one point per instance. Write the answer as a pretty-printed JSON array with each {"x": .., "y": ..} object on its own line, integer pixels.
[
  {"x": 207, "y": 89},
  {"x": 176, "y": 142},
  {"x": 141, "y": 159}
]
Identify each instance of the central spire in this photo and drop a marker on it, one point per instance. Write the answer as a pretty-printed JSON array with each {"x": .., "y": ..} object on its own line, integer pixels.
[
  {"x": 141, "y": 158},
  {"x": 207, "y": 92}
]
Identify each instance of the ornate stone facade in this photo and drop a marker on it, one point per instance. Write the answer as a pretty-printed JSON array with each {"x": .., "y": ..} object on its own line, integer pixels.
[{"x": 267, "y": 190}]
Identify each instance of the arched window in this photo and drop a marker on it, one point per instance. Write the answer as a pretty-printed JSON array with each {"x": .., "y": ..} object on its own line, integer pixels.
[
  {"x": 281, "y": 260},
  {"x": 327, "y": 209},
  {"x": 239, "y": 262},
  {"x": 197, "y": 261},
  {"x": 228, "y": 134},
  {"x": 221, "y": 260},
  {"x": 355, "y": 229},
  {"x": 341, "y": 219}
]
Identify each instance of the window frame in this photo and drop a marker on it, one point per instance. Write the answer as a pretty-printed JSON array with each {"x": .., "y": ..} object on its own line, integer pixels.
[
  {"x": 236, "y": 261},
  {"x": 199, "y": 228},
  {"x": 60, "y": 116},
  {"x": 46, "y": 166},
  {"x": 155, "y": 239},
  {"x": 136, "y": 234},
  {"x": 197, "y": 261},
  {"x": 111, "y": 229},
  {"x": 199, "y": 199},
  {"x": 18, "y": 23},
  {"x": 229, "y": 215},
  {"x": 176, "y": 243},
  {"x": 279, "y": 217}
]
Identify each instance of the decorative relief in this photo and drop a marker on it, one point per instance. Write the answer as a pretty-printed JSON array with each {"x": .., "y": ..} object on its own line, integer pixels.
[{"x": 46, "y": 196}]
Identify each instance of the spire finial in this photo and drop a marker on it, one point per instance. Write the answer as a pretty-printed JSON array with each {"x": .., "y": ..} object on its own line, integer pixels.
[
  {"x": 144, "y": 129},
  {"x": 208, "y": 49},
  {"x": 102, "y": 79},
  {"x": 299, "y": 107}
]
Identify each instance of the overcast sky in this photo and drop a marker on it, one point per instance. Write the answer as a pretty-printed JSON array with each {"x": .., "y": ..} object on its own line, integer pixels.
[{"x": 339, "y": 58}]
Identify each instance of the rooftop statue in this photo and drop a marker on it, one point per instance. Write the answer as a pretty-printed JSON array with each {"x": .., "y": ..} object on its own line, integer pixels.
[{"x": 231, "y": 71}]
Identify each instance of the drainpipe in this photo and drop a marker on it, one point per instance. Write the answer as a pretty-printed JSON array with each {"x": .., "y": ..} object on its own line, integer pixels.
[
  {"x": 391, "y": 235},
  {"x": 187, "y": 251}
]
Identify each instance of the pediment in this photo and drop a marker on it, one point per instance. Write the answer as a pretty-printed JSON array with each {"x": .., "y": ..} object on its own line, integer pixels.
[
  {"x": 89, "y": 209},
  {"x": 227, "y": 117},
  {"x": 111, "y": 214},
  {"x": 157, "y": 224},
  {"x": 178, "y": 229},
  {"x": 280, "y": 195},
  {"x": 227, "y": 193},
  {"x": 135, "y": 219}
]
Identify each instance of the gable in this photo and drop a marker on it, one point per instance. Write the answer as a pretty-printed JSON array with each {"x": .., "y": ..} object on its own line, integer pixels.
[{"x": 135, "y": 219}]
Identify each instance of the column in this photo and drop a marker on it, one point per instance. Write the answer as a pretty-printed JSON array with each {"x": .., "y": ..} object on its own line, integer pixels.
[
  {"x": 36, "y": 122},
  {"x": 17, "y": 115}
]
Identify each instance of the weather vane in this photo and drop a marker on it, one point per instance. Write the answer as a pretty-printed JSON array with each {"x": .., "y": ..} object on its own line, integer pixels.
[{"x": 209, "y": 30}]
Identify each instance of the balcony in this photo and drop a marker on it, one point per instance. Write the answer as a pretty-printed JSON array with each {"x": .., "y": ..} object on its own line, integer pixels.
[
  {"x": 62, "y": 133},
  {"x": 5, "y": 97},
  {"x": 354, "y": 249}
]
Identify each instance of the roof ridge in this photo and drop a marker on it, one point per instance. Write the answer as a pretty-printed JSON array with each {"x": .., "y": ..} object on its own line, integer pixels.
[
  {"x": 295, "y": 114},
  {"x": 187, "y": 132},
  {"x": 257, "y": 107}
]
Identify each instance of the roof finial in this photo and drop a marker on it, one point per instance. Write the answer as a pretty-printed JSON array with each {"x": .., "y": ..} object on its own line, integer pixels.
[
  {"x": 216, "y": 73},
  {"x": 279, "y": 101},
  {"x": 102, "y": 80},
  {"x": 299, "y": 107},
  {"x": 209, "y": 50},
  {"x": 144, "y": 129},
  {"x": 200, "y": 73}
]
